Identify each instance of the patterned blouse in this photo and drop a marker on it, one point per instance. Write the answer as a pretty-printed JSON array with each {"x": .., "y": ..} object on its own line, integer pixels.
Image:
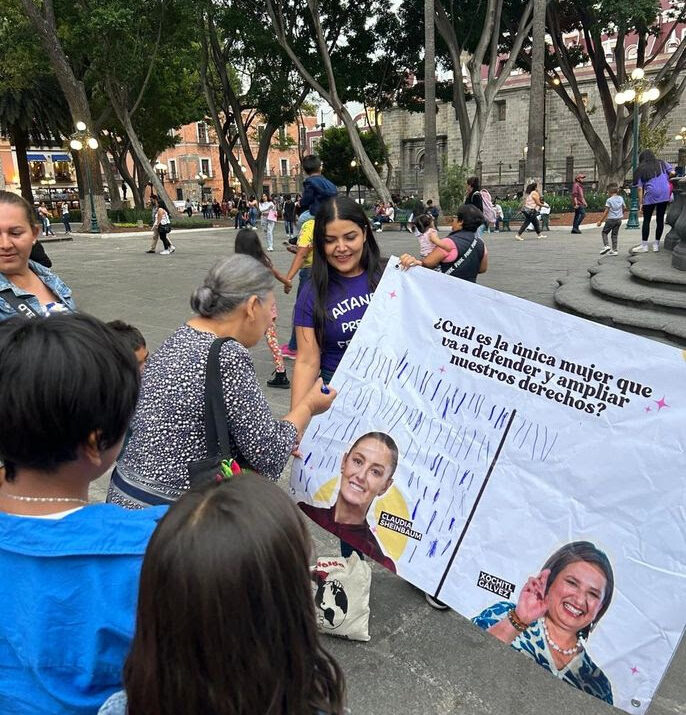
[
  {"x": 168, "y": 427},
  {"x": 581, "y": 671}
]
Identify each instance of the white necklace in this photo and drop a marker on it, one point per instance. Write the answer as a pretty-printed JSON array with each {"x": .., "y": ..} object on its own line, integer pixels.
[
  {"x": 565, "y": 651},
  {"x": 45, "y": 499}
]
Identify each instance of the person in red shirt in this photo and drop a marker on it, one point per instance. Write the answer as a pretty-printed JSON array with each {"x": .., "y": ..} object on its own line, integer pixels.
[
  {"x": 579, "y": 202},
  {"x": 367, "y": 470}
]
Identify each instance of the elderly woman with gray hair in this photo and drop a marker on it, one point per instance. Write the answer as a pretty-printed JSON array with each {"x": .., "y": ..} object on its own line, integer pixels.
[{"x": 235, "y": 301}]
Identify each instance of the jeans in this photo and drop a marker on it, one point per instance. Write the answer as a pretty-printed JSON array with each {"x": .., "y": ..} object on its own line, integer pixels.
[
  {"x": 530, "y": 217},
  {"x": 65, "y": 221},
  {"x": 304, "y": 275},
  {"x": 268, "y": 228},
  {"x": 579, "y": 213},
  {"x": 659, "y": 219},
  {"x": 289, "y": 227},
  {"x": 611, "y": 226}
]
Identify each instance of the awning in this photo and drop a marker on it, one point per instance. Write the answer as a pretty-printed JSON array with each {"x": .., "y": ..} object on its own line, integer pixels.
[
  {"x": 36, "y": 157},
  {"x": 61, "y": 157}
]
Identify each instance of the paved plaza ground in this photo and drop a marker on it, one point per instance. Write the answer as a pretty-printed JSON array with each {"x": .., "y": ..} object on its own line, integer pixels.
[{"x": 419, "y": 660}]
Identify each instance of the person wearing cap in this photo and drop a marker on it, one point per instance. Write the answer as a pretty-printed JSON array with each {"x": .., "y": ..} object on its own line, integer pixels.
[{"x": 579, "y": 202}]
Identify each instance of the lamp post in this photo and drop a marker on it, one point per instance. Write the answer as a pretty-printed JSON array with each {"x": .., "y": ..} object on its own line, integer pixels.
[
  {"x": 161, "y": 171},
  {"x": 681, "y": 137},
  {"x": 552, "y": 82},
  {"x": 355, "y": 165},
  {"x": 638, "y": 90},
  {"x": 78, "y": 141}
]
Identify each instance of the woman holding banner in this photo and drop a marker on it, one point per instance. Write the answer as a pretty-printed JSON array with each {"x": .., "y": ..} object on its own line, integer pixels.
[{"x": 555, "y": 614}]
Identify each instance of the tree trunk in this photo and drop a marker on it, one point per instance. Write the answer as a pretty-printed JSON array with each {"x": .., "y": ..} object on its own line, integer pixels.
[
  {"x": 73, "y": 90},
  {"x": 430, "y": 150},
  {"x": 227, "y": 191},
  {"x": 115, "y": 197},
  {"x": 536, "y": 134},
  {"x": 20, "y": 139}
]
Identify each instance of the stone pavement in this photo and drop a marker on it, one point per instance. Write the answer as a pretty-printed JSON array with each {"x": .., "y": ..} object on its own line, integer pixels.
[{"x": 419, "y": 660}]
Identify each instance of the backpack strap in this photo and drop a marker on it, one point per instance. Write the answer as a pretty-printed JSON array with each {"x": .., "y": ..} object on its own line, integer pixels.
[{"x": 21, "y": 307}]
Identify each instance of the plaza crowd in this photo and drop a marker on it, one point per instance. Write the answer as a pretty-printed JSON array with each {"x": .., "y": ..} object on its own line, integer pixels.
[{"x": 189, "y": 591}]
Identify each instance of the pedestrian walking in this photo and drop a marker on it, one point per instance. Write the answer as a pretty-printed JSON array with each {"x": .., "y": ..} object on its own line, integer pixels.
[
  {"x": 289, "y": 216},
  {"x": 654, "y": 193},
  {"x": 530, "y": 206},
  {"x": 268, "y": 218},
  {"x": 161, "y": 226},
  {"x": 475, "y": 198},
  {"x": 66, "y": 218},
  {"x": 579, "y": 202},
  {"x": 248, "y": 243},
  {"x": 188, "y": 208},
  {"x": 45, "y": 219},
  {"x": 613, "y": 215}
]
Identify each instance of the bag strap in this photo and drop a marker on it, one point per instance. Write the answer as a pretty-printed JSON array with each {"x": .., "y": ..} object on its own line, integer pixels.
[
  {"x": 216, "y": 421},
  {"x": 21, "y": 307}
]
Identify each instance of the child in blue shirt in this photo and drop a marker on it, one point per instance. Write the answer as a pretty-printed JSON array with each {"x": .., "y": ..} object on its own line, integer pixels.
[{"x": 316, "y": 189}]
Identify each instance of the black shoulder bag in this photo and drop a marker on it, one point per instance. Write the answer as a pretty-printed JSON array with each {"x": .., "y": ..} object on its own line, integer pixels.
[{"x": 218, "y": 463}]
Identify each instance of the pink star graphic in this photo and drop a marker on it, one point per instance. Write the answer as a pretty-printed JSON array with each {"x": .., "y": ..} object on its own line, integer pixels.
[
  {"x": 393, "y": 294},
  {"x": 634, "y": 670},
  {"x": 660, "y": 403},
  {"x": 441, "y": 369},
  {"x": 649, "y": 409}
]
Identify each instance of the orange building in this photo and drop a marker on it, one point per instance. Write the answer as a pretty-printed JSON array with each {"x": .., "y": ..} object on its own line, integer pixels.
[{"x": 193, "y": 170}]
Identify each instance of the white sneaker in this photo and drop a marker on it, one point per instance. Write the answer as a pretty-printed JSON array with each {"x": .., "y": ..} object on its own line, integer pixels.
[
  {"x": 604, "y": 250},
  {"x": 166, "y": 252},
  {"x": 612, "y": 253},
  {"x": 656, "y": 247},
  {"x": 641, "y": 248},
  {"x": 379, "y": 230},
  {"x": 541, "y": 235},
  {"x": 172, "y": 249},
  {"x": 270, "y": 248},
  {"x": 519, "y": 238}
]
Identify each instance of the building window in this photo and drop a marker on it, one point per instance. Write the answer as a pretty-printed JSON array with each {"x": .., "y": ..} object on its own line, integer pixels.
[
  {"x": 172, "y": 170},
  {"x": 284, "y": 167},
  {"x": 179, "y": 194},
  {"x": 202, "y": 132},
  {"x": 260, "y": 131},
  {"x": 206, "y": 167},
  {"x": 501, "y": 110},
  {"x": 303, "y": 137},
  {"x": 282, "y": 134}
]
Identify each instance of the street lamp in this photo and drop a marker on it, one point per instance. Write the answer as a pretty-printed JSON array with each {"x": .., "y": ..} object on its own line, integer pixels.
[
  {"x": 355, "y": 165},
  {"x": 79, "y": 140},
  {"x": 638, "y": 90},
  {"x": 681, "y": 136},
  {"x": 160, "y": 170}
]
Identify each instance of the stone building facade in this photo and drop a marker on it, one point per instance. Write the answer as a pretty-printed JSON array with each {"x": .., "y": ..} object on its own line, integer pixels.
[{"x": 503, "y": 148}]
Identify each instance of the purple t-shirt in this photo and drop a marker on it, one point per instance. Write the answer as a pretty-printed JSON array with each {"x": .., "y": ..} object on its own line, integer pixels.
[
  {"x": 348, "y": 301},
  {"x": 657, "y": 189}
]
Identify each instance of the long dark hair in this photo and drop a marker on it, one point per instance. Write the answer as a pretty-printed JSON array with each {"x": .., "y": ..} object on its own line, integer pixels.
[
  {"x": 583, "y": 551},
  {"x": 323, "y": 275},
  {"x": 248, "y": 242},
  {"x": 530, "y": 187},
  {"x": 649, "y": 166},
  {"x": 226, "y": 622}
]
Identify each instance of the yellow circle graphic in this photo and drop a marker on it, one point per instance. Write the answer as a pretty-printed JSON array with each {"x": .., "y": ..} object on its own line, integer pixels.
[{"x": 392, "y": 543}]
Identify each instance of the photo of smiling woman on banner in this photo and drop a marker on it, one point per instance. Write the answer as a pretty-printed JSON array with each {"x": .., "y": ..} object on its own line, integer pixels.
[
  {"x": 367, "y": 470},
  {"x": 555, "y": 614}
]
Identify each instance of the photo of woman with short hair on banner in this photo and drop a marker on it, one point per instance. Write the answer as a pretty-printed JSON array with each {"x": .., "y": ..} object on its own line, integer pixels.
[
  {"x": 367, "y": 470},
  {"x": 556, "y": 612}
]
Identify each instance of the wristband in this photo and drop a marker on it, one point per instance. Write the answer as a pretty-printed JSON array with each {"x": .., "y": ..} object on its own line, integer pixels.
[{"x": 517, "y": 623}]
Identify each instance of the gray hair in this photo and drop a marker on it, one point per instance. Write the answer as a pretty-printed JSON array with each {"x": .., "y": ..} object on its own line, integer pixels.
[{"x": 230, "y": 282}]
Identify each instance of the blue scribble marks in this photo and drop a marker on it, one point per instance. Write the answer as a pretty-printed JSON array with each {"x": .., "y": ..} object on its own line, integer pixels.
[
  {"x": 452, "y": 523},
  {"x": 414, "y": 511},
  {"x": 307, "y": 459},
  {"x": 431, "y": 521},
  {"x": 432, "y": 548},
  {"x": 446, "y": 547},
  {"x": 412, "y": 554},
  {"x": 436, "y": 495}
]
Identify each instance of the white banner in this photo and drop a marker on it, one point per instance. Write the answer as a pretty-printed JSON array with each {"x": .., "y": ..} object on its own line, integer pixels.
[{"x": 540, "y": 478}]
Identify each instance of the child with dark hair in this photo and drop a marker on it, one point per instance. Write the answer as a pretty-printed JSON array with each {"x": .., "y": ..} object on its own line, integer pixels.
[
  {"x": 68, "y": 387},
  {"x": 133, "y": 338},
  {"x": 231, "y": 629},
  {"x": 248, "y": 242},
  {"x": 316, "y": 188},
  {"x": 613, "y": 215}
]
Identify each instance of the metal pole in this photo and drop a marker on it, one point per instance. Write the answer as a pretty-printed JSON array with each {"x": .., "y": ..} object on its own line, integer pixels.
[
  {"x": 633, "y": 208},
  {"x": 94, "y": 219},
  {"x": 359, "y": 190}
]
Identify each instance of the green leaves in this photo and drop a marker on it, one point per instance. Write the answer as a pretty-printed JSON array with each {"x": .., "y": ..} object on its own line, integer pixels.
[{"x": 336, "y": 153}]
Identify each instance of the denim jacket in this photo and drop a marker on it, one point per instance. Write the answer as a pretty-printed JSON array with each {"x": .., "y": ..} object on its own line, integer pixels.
[{"x": 60, "y": 289}]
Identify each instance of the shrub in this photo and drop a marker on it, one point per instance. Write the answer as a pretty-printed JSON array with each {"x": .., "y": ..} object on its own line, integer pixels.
[{"x": 453, "y": 187}]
